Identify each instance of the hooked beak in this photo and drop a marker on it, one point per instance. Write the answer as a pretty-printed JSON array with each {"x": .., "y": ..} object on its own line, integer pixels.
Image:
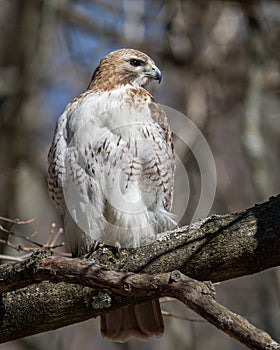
[{"x": 154, "y": 73}]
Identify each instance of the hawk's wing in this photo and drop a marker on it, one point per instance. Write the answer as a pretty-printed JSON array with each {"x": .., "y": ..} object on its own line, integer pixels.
[
  {"x": 75, "y": 167},
  {"x": 56, "y": 163},
  {"x": 167, "y": 152}
]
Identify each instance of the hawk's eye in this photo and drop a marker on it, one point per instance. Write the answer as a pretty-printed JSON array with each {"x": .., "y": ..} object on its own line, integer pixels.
[{"x": 135, "y": 62}]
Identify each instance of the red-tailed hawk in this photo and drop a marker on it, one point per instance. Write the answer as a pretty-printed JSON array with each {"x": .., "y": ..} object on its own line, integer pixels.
[{"x": 111, "y": 172}]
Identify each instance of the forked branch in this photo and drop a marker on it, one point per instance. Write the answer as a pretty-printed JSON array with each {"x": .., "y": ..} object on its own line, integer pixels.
[{"x": 73, "y": 290}]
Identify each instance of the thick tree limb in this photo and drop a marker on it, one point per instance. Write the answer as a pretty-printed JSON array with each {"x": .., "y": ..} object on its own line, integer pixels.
[
  {"x": 198, "y": 296},
  {"x": 218, "y": 248}
]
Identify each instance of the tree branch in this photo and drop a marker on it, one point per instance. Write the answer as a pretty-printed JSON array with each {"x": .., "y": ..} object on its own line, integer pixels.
[{"x": 216, "y": 249}]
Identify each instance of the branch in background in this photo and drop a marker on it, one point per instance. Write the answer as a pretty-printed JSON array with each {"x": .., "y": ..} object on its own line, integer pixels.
[
  {"x": 51, "y": 244},
  {"x": 180, "y": 317},
  {"x": 253, "y": 138}
]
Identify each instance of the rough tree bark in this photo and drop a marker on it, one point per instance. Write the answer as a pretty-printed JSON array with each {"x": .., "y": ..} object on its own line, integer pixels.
[{"x": 215, "y": 249}]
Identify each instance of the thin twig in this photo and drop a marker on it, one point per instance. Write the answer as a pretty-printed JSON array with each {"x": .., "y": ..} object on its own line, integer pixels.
[
  {"x": 17, "y": 221},
  {"x": 51, "y": 244},
  {"x": 185, "y": 318}
]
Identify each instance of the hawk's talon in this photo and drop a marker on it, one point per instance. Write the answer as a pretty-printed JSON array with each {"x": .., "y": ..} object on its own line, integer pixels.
[
  {"x": 117, "y": 249},
  {"x": 98, "y": 244}
]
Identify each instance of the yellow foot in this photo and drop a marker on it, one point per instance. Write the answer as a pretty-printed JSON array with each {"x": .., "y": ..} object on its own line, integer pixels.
[
  {"x": 98, "y": 244},
  {"x": 117, "y": 249}
]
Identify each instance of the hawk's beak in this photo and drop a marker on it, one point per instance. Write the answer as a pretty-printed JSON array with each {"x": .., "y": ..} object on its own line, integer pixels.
[{"x": 154, "y": 73}]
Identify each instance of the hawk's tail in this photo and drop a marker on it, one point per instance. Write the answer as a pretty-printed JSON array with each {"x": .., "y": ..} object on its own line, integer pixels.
[{"x": 142, "y": 321}]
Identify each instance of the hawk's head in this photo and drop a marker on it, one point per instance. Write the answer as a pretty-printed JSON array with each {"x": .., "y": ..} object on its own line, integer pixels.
[{"x": 124, "y": 66}]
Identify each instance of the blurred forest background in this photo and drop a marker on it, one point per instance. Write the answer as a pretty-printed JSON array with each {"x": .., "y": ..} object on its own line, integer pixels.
[{"x": 220, "y": 65}]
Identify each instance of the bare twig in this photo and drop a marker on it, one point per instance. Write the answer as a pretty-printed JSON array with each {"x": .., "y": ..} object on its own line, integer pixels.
[
  {"x": 17, "y": 221},
  {"x": 51, "y": 244},
  {"x": 179, "y": 317}
]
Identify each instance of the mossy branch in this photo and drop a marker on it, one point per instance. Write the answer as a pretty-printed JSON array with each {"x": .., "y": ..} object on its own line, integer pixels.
[{"x": 214, "y": 249}]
